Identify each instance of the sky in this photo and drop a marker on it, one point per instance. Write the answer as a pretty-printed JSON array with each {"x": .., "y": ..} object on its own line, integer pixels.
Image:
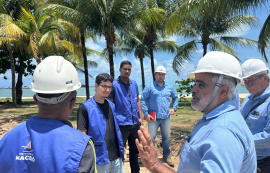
[{"x": 161, "y": 58}]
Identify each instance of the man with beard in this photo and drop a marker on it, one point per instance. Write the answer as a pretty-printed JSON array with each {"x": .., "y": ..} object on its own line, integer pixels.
[
  {"x": 128, "y": 111},
  {"x": 96, "y": 117},
  {"x": 255, "y": 109},
  {"x": 221, "y": 140}
]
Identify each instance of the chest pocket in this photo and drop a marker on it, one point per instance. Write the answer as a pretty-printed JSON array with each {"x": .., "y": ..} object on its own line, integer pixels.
[
  {"x": 189, "y": 160},
  {"x": 258, "y": 118}
]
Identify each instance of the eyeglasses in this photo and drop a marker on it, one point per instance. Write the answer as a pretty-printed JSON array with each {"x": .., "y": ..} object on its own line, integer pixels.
[
  {"x": 106, "y": 87},
  {"x": 251, "y": 82}
]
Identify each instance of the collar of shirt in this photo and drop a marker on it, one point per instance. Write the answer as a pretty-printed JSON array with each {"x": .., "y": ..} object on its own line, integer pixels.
[
  {"x": 120, "y": 81},
  {"x": 221, "y": 109},
  {"x": 65, "y": 122},
  {"x": 263, "y": 95},
  {"x": 156, "y": 84}
]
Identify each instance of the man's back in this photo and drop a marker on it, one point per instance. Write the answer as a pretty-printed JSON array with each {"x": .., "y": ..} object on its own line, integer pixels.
[{"x": 42, "y": 145}]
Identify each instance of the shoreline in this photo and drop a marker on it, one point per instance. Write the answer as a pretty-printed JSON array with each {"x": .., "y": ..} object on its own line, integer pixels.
[{"x": 241, "y": 95}]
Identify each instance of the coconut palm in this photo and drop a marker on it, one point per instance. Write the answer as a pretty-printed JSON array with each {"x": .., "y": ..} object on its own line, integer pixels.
[
  {"x": 209, "y": 26},
  {"x": 137, "y": 43},
  {"x": 74, "y": 11},
  {"x": 46, "y": 33},
  {"x": 10, "y": 38},
  {"x": 149, "y": 17},
  {"x": 105, "y": 18}
]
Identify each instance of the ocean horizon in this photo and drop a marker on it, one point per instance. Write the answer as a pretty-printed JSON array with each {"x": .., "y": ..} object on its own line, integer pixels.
[{"x": 6, "y": 93}]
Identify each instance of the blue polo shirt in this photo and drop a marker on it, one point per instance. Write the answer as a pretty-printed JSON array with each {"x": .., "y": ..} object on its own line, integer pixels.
[
  {"x": 157, "y": 98},
  {"x": 258, "y": 121},
  {"x": 220, "y": 142}
]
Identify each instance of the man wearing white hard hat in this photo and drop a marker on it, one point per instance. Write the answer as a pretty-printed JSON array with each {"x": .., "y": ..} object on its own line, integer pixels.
[
  {"x": 155, "y": 100},
  {"x": 256, "y": 109},
  {"x": 221, "y": 141},
  {"x": 47, "y": 142}
]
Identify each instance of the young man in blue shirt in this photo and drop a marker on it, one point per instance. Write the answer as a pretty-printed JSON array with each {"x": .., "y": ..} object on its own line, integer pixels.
[
  {"x": 47, "y": 142},
  {"x": 156, "y": 97},
  {"x": 96, "y": 117},
  {"x": 128, "y": 111},
  {"x": 221, "y": 141},
  {"x": 255, "y": 109}
]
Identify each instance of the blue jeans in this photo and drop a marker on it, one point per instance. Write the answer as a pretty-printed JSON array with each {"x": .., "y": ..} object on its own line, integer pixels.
[
  {"x": 165, "y": 128},
  {"x": 116, "y": 166}
]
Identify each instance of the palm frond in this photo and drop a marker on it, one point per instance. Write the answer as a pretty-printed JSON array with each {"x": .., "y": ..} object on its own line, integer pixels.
[
  {"x": 264, "y": 38},
  {"x": 235, "y": 41},
  {"x": 217, "y": 45},
  {"x": 183, "y": 55}
]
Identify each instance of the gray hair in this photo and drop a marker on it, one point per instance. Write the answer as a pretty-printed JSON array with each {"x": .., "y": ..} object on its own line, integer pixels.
[
  {"x": 262, "y": 73},
  {"x": 228, "y": 81}
]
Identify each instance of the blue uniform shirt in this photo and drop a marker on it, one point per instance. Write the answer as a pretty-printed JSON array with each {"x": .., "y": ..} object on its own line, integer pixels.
[
  {"x": 157, "y": 98},
  {"x": 220, "y": 142},
  {"x": 258, "y": 121},
  {"x": 236, "y": 98}
]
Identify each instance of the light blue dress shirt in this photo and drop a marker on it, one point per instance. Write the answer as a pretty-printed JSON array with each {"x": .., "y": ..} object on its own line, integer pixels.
[
  {"x": 157, "y": 98},
  {"x": 258, "y": 121},
  {"x": 220, "y": 143},
  {"x": 236, "y": 98}
]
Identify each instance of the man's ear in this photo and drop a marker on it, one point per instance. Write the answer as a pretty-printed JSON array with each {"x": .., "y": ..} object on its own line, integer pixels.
[
  {"x": 224, "y": 91},
  {"x": 73, "y": 103},
  {"x": 35, "y": 99}
]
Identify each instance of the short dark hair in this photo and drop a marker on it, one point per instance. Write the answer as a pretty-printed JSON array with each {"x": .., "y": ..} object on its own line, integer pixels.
[
  {"x": 103, "y": 77},
  {"x": 125, "y": 62}
]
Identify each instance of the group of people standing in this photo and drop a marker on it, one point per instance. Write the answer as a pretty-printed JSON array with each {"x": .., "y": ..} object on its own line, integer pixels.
[
  {"x": 224, "y": 140},
  {"x": 114, "y": 115}
]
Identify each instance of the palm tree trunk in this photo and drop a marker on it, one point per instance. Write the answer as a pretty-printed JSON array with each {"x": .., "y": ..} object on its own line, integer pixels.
[
  {"x": 110, "y": 43},
  {"x": 142, "y": 72},
  {"x": 151, "y": 50},
  {"x": 204, "y": 48},
  {"x": 152, "y": 61},
  {"x": 85, "y": 63},
  {"x": 12, "y": 67},
  {"x": 19, "y": 83}
]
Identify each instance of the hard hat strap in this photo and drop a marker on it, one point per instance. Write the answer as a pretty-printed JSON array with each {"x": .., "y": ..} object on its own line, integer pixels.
[{"x": 214, "y": 93}]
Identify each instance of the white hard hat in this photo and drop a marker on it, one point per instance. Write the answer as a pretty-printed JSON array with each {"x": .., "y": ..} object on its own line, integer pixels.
[
  {"x": 253, "y": 66},
  {"x": 160, "y": 69},
  {"x": 55, "y": 75},
  {"x": 219, "y": 63}
]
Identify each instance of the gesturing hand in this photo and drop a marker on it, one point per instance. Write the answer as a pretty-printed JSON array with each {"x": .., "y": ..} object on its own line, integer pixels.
[{"x": 147, "y": 150}]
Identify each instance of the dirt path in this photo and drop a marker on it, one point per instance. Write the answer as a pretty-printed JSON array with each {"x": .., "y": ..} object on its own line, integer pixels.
[{"x": 175, "y": 151}]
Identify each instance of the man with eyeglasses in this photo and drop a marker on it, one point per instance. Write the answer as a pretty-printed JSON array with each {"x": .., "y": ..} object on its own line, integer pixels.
[
  {"x": 128, "y": 110},
  {"x": 96, "y": 117},
  {"x": 256, "y": 109}
]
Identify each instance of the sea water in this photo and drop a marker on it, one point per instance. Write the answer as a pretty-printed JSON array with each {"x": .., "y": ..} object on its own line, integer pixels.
[{"x": 6, "y": 93}]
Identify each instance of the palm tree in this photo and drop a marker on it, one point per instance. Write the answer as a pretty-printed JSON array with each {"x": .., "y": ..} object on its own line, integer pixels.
[
  {"x": 208, "y": 26},
  {"x": 149, "y": 17},
  {"x": 136, "y": 42},
  {"x": 10, "y": 37},
  {"x": 105, "y": 18},
  {"x": 74, "y": 12},
  {"x": 46, "y": 33}
]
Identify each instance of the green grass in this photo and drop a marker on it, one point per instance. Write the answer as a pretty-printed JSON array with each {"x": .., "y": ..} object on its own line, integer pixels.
[{"x": 183, "y": 121}]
